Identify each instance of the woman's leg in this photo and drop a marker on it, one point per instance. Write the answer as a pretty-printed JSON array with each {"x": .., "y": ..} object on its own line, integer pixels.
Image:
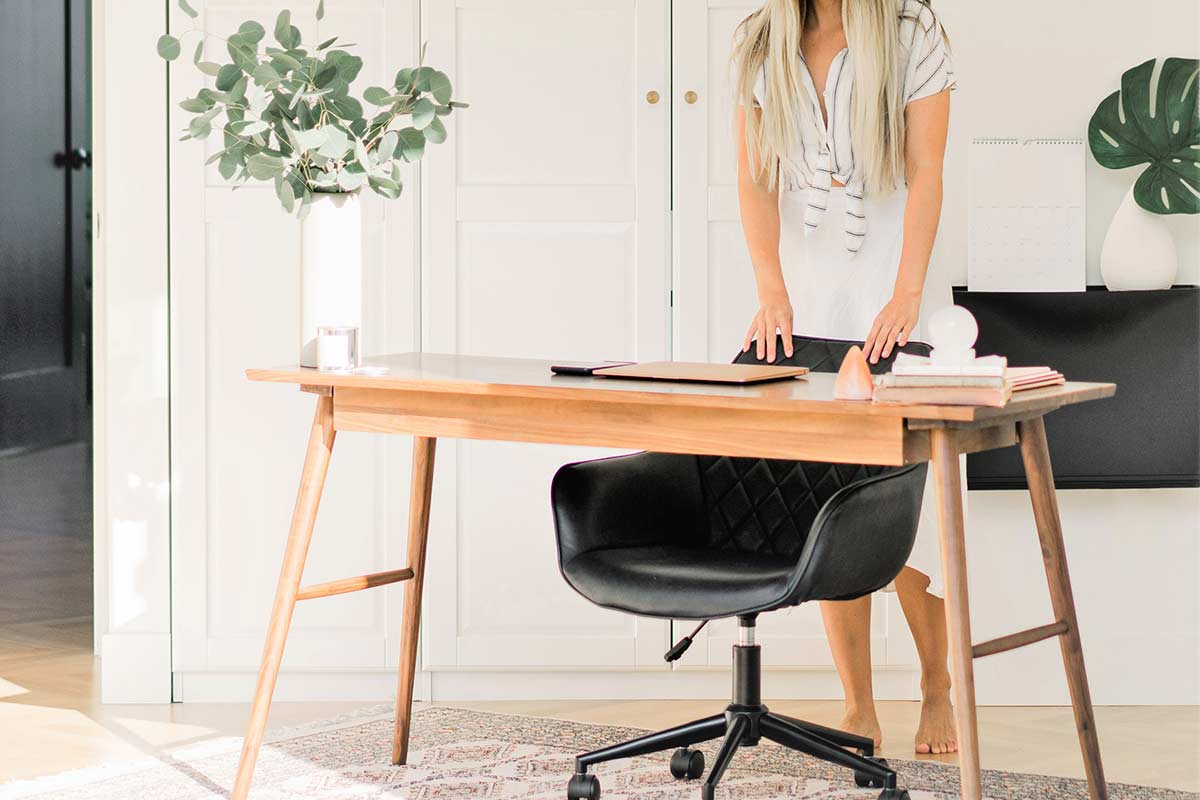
[
  {"x": 926, "y": 615},
  {"x": 848, "y": 626}
]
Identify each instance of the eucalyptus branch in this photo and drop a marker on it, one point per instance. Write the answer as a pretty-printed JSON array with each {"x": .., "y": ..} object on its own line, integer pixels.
[{"x": 310, "y": 125}]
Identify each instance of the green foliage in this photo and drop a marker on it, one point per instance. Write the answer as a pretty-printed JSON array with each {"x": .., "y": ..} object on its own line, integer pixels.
[
  {"x": 289, "y": 117},
  {"x": 1124, "y": 133}
]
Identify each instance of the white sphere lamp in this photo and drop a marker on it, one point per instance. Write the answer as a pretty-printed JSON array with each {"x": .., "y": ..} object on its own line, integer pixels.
[{"x": 952, "y": 332}]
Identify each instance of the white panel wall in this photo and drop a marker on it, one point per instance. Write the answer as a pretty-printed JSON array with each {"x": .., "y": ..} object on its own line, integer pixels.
[
  {"x": 545, "y": 231},
  {"x": 237, "y": 446},
  {"x": 546, "y": 236}
]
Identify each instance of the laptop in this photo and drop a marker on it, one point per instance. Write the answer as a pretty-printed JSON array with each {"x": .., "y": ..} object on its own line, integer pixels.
[{"x": 693, "y": 372}]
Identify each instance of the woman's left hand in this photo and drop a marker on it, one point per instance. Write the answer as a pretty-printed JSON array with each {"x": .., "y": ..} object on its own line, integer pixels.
[{"x": 892, "y": 326}]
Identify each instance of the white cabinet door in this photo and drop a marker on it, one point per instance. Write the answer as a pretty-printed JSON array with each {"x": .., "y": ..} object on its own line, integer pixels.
[
  {"x": 546, "y": 235},
  {"x": 237, "y": 447},
  {"x": 714, "y": 292}
]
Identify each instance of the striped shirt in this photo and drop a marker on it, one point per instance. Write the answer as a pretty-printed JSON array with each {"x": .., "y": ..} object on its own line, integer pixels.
[{"x": 828, "y": 154}]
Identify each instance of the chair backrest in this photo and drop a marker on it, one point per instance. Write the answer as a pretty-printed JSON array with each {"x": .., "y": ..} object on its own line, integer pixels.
[{"x": 768, "y": 505}]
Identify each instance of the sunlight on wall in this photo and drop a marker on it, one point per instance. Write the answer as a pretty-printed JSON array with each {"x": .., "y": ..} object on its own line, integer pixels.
[{"x": 128, "y": 555}]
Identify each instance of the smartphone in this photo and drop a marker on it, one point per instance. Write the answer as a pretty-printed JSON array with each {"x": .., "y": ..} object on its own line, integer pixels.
[{"x": 586, "y": 368}]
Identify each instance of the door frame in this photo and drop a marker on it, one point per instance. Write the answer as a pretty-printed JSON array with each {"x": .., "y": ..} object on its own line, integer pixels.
[{"x": 130, "y": 336}]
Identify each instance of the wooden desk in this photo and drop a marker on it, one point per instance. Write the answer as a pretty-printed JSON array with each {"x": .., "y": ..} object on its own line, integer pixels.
[{"x": 429, "y": 396}]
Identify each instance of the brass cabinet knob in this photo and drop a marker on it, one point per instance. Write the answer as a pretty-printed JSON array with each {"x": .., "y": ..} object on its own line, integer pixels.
[
  {"x": 652, "y": 97},
  {"x": 690, "y": 97}
]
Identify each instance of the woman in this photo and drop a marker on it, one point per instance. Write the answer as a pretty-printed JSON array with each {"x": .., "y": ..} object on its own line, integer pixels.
[{"x": 840, "y": 183}]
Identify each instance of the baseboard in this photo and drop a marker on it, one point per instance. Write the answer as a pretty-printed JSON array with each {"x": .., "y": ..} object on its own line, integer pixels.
[
  {"x": 379, "y": 685},
  {"x": 135, "y": 668}
]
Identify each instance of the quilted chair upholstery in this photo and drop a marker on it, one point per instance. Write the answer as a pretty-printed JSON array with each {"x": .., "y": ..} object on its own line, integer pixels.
[{"x": 655, "y": 533}]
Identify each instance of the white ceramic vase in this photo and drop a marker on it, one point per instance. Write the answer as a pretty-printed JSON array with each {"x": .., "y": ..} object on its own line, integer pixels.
[
  {"x": 330, "y": 268},
  {"x": 1138, "y": 252}
]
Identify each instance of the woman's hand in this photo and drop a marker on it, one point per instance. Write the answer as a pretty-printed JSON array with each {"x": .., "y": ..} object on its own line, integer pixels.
[
  {"x": 892, "y": 326},
  {"x": 774, "y": 314}
]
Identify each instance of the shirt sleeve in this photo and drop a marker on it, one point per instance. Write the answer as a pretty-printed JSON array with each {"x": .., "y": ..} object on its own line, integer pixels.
[{"x": 930, "y": 67}]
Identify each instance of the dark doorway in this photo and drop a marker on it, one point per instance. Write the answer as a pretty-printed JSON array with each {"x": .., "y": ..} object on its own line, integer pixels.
[
  {"x": 45, "y": 229},
  {"x": 45, "y": 332}
]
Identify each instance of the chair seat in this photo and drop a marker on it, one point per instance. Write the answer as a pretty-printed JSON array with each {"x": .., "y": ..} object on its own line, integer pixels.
[{"x": 680, "y": 582}]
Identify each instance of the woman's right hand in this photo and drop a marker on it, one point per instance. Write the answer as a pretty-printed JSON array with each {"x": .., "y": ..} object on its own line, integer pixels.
[{"x": 774, "y": 314}]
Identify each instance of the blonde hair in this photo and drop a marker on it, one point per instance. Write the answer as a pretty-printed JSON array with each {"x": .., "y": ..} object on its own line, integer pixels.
[{"x": 768, "y": 41}]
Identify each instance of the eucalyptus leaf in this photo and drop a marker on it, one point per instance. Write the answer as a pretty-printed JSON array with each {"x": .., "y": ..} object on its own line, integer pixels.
[
  {"x": 385, "y": 187},
  {"x": 283, "y": 29},
  {"x": 264, "y": 167},
  {"x": 387, "y": 146},
  {"x": 423, "y": 113},
  {"x": 251, "y": 31},
  {"x": 310, "y": 139},
  {"x": 227, "y": 76},
  {"x": 200, "y": 127},
  {"x": 321, "y": 10},
  {"x": 288, "y": 62},
  {"x": 168, "y": 47},
  {"x": 195, "y": 105},
  {"x": 209, "y": 68},
  {"x": 377, "y": 96},
  {"x": 348, "y": 67},
  {"x": 199, "y": 52},
  {"x": 230, "y": 162},
  {"x": 349, "y": 181},
  {"x": 187, "y": 9},
  {"x": 1123, "y": 133},
  {"x": 326, "y": 43},
  {"x": 336, "y": 143},
  {"x": 346, "y": 108},
  {"x": 287, "y": 195},
  {"x": 404, "y": 80},
  {"x": 440, "y": 87},
  {"x": 360, "y": 152},
  {"x": 436, "y": 132},
  {"x": 421, "y": 78},
  {"x": 412, "y": 144},
  {"x": 266, "y": 75}
]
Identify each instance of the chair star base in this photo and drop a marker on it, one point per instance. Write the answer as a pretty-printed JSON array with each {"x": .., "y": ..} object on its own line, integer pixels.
[{"x": 745, "y": 721}]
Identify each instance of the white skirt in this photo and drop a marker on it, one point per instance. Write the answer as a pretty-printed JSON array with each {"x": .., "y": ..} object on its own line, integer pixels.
[{"x": 837, "y": 294}]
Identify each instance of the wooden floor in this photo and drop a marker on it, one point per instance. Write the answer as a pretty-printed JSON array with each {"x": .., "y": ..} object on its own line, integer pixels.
[{"x": 51, "y": 719}]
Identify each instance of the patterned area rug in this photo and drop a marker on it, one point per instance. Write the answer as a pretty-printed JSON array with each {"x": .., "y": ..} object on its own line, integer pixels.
[{"x": 464, "y": 755}]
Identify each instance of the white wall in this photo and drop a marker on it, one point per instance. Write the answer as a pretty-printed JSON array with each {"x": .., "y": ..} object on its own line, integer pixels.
[
  {"x": 1134, "y": 554},
  {"x": 132, "y": 506},
  {"x": 1029, "y": 68}
]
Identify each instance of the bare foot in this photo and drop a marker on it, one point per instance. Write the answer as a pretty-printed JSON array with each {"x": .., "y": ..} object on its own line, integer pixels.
[
  {"x": 937, "y": 733},
  {"x": 862, "y": 723}
]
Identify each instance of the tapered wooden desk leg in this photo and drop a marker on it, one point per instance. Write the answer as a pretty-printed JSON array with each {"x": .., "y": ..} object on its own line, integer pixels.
[
  {"x": 410, "y": 625},
  {"x": 312, "y": 481},
  {"x": 1036, "y": 455},
  {"x": 948, "y": 487}
]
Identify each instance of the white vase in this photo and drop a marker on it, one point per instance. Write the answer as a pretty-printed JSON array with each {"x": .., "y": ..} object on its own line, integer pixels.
[
  {"x": 1138, "y": 252},
  {"x": 330, "y": 268}
]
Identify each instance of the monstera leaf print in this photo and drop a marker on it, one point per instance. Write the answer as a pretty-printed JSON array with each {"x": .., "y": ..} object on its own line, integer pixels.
[{"x": 1133, "y": 126}]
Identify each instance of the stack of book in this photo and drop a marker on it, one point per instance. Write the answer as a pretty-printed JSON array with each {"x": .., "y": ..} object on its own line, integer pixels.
[{"x": 987, "y": 381}]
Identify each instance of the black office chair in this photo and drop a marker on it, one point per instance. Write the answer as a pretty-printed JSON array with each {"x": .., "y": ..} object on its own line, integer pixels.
[{"x": 702, "y": 537}]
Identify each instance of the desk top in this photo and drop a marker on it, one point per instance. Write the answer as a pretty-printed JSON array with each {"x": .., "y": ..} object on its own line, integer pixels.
[{"x": 531, "y": 378}]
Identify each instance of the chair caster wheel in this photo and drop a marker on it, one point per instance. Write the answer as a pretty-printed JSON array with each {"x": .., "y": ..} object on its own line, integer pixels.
[
  {"x": 583, "y": 787},
  {"x": 687, "y": 764},
  {"x": 893, "y": 794},
  {"x": 869, "y": 781}
]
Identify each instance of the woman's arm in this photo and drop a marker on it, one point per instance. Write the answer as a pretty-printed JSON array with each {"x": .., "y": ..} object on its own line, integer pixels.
[
  {"x": 760, "y": 224},
  {"x": 926, "y": 122}
]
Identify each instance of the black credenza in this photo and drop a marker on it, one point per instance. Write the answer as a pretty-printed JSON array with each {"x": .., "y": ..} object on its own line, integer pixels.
[{"x": 1148, "y": 343}]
